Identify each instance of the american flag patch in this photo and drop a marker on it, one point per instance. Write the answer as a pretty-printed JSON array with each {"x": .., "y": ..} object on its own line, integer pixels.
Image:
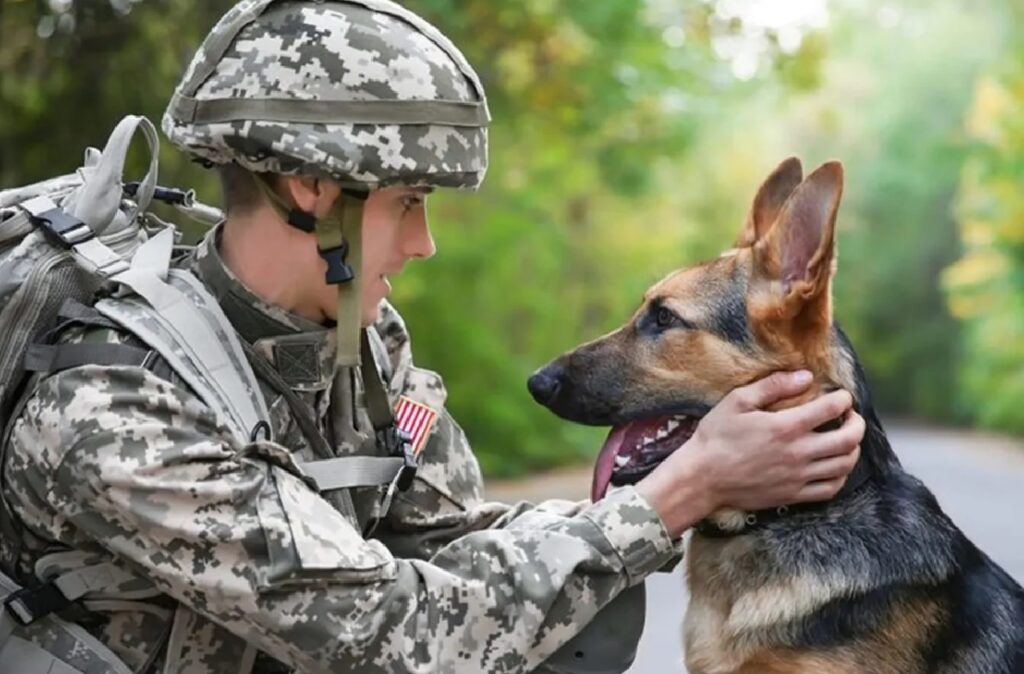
[{"x": 416, "y": 419}]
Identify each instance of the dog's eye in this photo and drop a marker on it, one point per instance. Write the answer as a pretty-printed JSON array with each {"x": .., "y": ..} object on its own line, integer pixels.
[{"x": 665, "y": 318}]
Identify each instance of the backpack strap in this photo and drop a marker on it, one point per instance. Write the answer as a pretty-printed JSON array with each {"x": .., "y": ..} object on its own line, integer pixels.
[
  {"x": 56, "y": 357},
  {"x": 25, "y": 607},
  {"x": 178, "y": 318},
  {"x": 49, "y": 355}
]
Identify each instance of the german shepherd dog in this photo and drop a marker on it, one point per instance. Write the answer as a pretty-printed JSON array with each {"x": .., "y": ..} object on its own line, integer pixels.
[{"x": 876, "y": 581}]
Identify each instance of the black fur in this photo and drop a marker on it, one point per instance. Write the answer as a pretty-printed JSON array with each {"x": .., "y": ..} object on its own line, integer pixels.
[{"x": 893, "y": 532}]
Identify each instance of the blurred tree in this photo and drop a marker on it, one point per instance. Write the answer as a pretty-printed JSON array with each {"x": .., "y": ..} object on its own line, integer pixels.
[
  {"x": 986, "y": 286},
  {"x": 72, "y": 68},
  {"x": 891, "y": 95}
]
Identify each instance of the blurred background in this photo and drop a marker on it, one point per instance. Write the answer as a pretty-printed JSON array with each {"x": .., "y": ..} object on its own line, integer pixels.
[{"x": 628, "y": 139}]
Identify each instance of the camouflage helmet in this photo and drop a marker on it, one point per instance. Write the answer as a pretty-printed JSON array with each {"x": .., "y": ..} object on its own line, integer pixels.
[{"x": 363, "y": 92}]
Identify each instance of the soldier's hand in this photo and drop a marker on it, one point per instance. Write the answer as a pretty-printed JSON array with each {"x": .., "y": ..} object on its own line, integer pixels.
[{"x": 744, "y": 457}]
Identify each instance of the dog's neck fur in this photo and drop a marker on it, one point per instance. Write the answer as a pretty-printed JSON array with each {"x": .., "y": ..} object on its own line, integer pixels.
[
  {"x": 727, "y": 621},
  {"x": 877, "y": 458},
  {"x": 876, "y": 452}
]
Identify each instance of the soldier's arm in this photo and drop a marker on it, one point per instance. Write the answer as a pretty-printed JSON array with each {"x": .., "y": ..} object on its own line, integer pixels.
[{"x": 144, "y": 469}]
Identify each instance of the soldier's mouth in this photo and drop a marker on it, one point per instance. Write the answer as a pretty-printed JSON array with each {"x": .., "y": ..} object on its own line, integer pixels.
[{"x": 634, "y": 449}]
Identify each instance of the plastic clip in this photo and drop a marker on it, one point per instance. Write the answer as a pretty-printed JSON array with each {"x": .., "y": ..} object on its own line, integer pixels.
[
  {"x": 338, "y": 271},
  {"x": 398, "y": 443}
]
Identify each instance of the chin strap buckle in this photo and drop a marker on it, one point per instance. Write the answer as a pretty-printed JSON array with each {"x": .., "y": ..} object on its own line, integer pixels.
[{"x": 338, "y": 270}]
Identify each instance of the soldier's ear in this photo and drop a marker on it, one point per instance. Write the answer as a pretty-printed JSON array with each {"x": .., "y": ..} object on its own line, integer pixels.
[
  {"x": 769, "y": 201},
  {"x": 309, "y": 194}
]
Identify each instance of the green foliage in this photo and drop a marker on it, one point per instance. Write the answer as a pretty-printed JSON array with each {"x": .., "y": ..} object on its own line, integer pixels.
[
  {"x": 72, "y": 69},
  {"x": 900, "y": 138},
  {"x": 986, "y": 286}
]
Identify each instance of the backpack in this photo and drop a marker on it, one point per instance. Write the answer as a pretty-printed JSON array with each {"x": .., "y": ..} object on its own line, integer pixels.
[{"x": 62, "y": 240}]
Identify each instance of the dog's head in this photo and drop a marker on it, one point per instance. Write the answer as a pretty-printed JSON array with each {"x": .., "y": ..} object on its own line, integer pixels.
[{"x": 702, "y": 331}]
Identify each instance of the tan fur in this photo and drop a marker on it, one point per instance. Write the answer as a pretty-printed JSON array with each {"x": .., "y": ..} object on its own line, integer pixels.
[
  {"x": 891, "y": 652},
  {"x": 729, "y": 624},
  {"x": 722, "y": 364}
]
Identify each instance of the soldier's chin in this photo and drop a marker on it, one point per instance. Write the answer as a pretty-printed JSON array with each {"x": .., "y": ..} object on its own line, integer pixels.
[
  {"x": 371, "y": 311},
  {"x": 633, "y": 449}
]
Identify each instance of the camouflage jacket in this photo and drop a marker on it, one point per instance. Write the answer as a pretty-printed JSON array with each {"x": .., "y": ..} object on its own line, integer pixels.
[{"x": 239, "y": 566}]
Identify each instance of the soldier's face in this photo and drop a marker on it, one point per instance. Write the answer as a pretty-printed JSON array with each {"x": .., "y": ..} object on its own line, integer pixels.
[{"x": 395, "y": 230}]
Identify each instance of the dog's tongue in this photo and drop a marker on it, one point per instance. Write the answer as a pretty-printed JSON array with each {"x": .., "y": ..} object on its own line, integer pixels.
[
  {"x": 627, "y": 435},
  {"x": 606, "y": 462}
]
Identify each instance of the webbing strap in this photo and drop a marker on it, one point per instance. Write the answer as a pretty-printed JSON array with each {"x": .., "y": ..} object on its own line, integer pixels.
[
  {"x": 75, "y": 234},
  {"x": 179, "y": 316},
  {"x": 99, "y": 198},
  {"x": 74, "y": 310},
  {"x": 57, "y": 357},
  {"x": 95, "y": 578},
  {"x": 377, "y": 403},
  {"x": 292, "y": 110},
  {"x": 26, "y": 657},
  {"x": 26, "y": 605},
  {"x": 346, "y": 472},
  {"x": 343, "y": 229}
]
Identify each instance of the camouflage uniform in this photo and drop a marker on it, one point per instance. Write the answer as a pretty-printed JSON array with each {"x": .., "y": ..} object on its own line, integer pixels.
[
  {"x": 234, "y": 563},
  {"x": 120, "y": 463}
]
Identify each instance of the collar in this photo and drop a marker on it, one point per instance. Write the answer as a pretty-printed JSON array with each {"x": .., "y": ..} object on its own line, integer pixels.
[
  {"x": 302, "y": 351},
  {"x": 760, "y": 518}
]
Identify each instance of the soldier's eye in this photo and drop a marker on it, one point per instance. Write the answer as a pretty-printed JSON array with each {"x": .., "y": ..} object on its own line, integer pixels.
[{"x": 411, "y": 201}]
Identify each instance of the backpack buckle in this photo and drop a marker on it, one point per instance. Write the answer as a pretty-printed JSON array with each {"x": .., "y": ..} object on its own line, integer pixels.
[
  {"x": 30, "y": 604},
  {"x": 62, "y": 228},
  {"x": 399, "y": 443}
]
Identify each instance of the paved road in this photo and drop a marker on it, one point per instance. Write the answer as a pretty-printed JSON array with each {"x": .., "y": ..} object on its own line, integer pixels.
[{"x": 978, "y": 479}]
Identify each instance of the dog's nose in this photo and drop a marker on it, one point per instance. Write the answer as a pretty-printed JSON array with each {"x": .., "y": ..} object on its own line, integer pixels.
[{"x": 545, "y": 383}]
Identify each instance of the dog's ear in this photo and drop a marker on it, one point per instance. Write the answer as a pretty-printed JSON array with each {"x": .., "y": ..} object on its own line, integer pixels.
[
  {"x": 769, "y": 201},
  {"x": 798, "y": 253}
]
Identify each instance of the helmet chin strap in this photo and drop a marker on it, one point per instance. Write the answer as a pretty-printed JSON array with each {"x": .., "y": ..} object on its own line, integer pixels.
[{"x": 339, "y": 242}]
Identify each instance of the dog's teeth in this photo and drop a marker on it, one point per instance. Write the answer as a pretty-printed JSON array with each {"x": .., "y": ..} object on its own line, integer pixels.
[
  {"x": 671, "y": 426},
  {"x": 662, "y": 433},
  {"x": 681, "y": 417},
  {"x": 621, "y": 461}
]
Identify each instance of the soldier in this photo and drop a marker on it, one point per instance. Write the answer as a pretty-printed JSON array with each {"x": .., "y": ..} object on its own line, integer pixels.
[{"x": 330, "y": 123}]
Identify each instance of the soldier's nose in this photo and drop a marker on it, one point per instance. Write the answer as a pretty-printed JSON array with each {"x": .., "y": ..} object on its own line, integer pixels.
[{"x": 545, "y": 383}]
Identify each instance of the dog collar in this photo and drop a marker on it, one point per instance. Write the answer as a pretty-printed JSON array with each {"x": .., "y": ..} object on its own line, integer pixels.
[{"x": 762, "y": 518}]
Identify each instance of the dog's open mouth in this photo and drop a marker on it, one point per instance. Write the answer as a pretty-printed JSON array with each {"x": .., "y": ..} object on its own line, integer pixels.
[{"x": 635, "y": 448}]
